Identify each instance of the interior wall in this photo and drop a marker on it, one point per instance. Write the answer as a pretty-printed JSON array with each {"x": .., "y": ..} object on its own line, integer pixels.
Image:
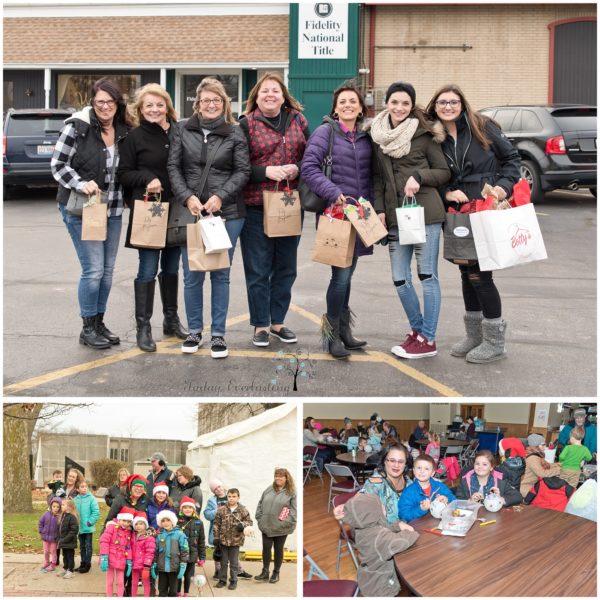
[
  {"x": 396, "y": 410},
  {"x": 507, "y": 412}
]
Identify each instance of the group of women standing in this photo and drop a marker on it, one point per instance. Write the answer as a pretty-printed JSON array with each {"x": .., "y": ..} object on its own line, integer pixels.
[{"x": 210, "y": 164}]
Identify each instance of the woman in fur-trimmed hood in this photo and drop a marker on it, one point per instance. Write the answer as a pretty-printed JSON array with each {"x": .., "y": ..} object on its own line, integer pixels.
[{"x": 408, "y": 162}]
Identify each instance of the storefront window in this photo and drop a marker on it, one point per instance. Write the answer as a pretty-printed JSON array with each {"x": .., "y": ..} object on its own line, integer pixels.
[
  {"x": 74, "y": 90},
  {"x": 191, "y": 82}
]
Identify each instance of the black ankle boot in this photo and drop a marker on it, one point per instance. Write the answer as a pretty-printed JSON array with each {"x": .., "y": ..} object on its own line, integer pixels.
[
  {"x": 264, "y": 575},
  {"x": 104, "y": 331},
  {"x": 168, "y": 294},
  {"x": 90, "y": 337},
  {"x": 330, "y": 333},
  {"x": 274, "y": 577},
  {"x": 144, "y": 304},
  {"x": 346, "y": 323}
]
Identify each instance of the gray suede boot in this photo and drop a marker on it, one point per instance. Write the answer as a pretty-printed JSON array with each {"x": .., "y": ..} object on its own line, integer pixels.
[
  {"x": 492, "y": 347},
  {"x": 474, "y": 334}
]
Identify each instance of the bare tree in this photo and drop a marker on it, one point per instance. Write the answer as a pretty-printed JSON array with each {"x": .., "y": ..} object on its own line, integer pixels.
[{"x": 214, "y": 415}]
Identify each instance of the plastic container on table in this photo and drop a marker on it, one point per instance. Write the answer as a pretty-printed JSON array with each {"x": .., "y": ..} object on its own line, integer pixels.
[{"x": 459, "y": 523}]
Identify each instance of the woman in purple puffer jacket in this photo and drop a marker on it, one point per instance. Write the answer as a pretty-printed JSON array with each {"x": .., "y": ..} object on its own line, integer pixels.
[{"x": 350, "y": 176}]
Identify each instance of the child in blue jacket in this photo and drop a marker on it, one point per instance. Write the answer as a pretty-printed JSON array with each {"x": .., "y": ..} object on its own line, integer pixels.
[
  {"x": 416, "y": 499},
  {"x": 89, "y": 513}
]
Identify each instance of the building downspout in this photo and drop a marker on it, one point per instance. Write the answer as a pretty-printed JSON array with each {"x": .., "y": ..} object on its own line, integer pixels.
[{"x": 372, "y": 18}]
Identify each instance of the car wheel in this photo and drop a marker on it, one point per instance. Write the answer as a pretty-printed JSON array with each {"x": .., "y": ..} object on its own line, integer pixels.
[
  {"x": 531, "y": 173},
  {"x": 593, "y": 191}
]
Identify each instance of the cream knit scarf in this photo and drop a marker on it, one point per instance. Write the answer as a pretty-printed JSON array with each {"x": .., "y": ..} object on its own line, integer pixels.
[{"x": 394, "y": 142}]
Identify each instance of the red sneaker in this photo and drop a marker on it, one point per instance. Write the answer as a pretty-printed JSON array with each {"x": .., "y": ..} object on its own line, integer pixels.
[
  {"x": 402, "y": 348},
  {"x": 420, "y": 348}
]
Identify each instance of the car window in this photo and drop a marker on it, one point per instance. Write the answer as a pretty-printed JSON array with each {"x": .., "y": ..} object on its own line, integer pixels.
[
  {"x": 530, "y": 122},
  {"x": 576, "y": 119},
  {"x": 506, "y": 118},
  {"x": 35, "y": 124}
]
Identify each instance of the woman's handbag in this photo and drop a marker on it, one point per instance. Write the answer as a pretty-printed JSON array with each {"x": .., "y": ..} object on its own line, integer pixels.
[
  {"x": 214, "y": 235},
  {"x": 282, "y": 213},
  {"x": 149, "y": 222},
  {"x": 411, "y": 222},
  {"x": 198, "y": 259},
  {"x": 94, "y": 219},
  {"x": 308, "y": 199}
]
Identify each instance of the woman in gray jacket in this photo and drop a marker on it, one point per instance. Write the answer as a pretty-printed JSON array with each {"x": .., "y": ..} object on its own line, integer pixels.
[{"x": 276, "y": 518}]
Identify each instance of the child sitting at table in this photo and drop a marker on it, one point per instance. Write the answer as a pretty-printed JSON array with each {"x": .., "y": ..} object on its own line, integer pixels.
[
  {"x": 417, "y": 497},
  {"x": 573, "y": 455},
  {"x": 433, "y": 448},
  {"x": 377, "y": 542},
  {"x": 483, "y": 479}
]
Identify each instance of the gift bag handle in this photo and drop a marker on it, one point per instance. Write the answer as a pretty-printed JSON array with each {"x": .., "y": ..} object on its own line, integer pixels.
[
  {"x": 287, "y": 181},
  {"x": 157, "y": 196},
  {"x": 409, "y": 201},
  {"x": 355, "y": 203}
]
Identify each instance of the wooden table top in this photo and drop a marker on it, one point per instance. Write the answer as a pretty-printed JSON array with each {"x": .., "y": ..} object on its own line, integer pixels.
[
  {"x": 444, "y": 442},
  {"x": 534, "y": 552},
  {"x": 334, "y": 444},
  {"x": 359, "y": 459}
]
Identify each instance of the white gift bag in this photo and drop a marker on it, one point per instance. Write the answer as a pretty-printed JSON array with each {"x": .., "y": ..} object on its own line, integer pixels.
[
  {"x": 505, "y": 238},
  {"x": 411, "y": 222},
  {"x": 214, "y": 235}
]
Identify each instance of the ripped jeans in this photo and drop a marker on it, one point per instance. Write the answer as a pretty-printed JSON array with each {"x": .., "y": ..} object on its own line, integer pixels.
[{"x": 426, "y": 254}]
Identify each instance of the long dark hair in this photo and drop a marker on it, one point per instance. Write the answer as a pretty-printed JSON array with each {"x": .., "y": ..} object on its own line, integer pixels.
[
  {"x": 112, "y": 88},
  {"x": 395, "y": 445},
  {"x": 348, "y": 86}
]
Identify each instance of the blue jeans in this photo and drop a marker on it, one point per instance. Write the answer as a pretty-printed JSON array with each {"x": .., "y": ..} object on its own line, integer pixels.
[
  {"x": 85, "y": 545},
  {"x": 427, "y": 268},
  {"x": 97, "y": 260},
  {"x": 270, "y": 270},
  {"x": 193, "y": 282},
  {"x": 149, "y": 259},
  {"x": 338, "y": 292}
]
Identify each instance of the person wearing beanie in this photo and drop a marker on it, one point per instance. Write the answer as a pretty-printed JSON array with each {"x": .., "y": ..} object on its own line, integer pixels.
[
  {"x": 144, "y": 547},
  {"x": 590, "y": 440},
  {"x": 409, "y": 165},
  {"x": 214, "y": 502},
  {"x": 159, "y": 473},
  {"x": 171, "y": 555},
  {"x": 160, "y": 501},
  {"x": 342, "y": 131},
  {"x": 116, "y": 550},
  {"x": 536, "y": 466},
  {"x": 511, "y": 447},
  {"x": 477, "y": 153},
  {"x": 48, "y": 530},
  {"x": 134, "y": 497},
  {"x": 189, "y": 522}
]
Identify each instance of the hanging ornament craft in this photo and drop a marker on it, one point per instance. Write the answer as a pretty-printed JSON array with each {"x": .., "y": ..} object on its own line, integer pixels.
[{"x": 493, "y": 502}]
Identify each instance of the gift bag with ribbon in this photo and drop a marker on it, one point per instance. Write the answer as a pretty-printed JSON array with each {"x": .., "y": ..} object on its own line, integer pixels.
[
  {"x": 149, "y": 222},
  {"x": 365, "y": 220},
  {"x": 411, "y": 222},
  {"x": 198, "y": 259},
  {"x": 94, "y": 219},
  {"x": 214, "y": 235},
  {"x": 281, "y": 212},
  {"x": 505, "y": 238},
  {"x": 334, "y": 242}
]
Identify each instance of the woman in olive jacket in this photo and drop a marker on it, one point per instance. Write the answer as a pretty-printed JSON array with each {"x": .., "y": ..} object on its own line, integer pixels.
[
  {"x": 276, "y": 518},
  {"x": 211, "y": 132},
  {"x": 408, "y": 161}
]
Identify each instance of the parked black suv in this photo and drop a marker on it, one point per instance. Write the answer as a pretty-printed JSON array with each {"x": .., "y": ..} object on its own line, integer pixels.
[
  {"x": 29, "y": 139},
  {"x": 557, "y": 144}
]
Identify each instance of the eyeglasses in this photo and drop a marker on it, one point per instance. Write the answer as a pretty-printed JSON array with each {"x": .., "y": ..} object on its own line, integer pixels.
[
  {"x": 395, "y": 462},
  {"x": 101, "y": 103},
  {"x": 443, "y": 103},
  {"x": 215, "y": 101}
]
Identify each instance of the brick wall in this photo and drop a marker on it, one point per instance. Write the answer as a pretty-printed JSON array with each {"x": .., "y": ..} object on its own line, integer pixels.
[
  {"x": 509, "y": 61},
  {"x": 196, "y": 39}
]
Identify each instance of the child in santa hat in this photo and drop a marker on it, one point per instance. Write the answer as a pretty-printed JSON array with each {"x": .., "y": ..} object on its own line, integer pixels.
[
  {"x": 171, "y": 554},
  {"x": 192, "y": 526},
  {"x": 116, "y": 550},
  {"x": 160, "y": 501},
  {"x": 144, "y": 546}
]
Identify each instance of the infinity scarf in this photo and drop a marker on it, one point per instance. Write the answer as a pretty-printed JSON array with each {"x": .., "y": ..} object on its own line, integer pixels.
[{"x": 394, "y": 142}]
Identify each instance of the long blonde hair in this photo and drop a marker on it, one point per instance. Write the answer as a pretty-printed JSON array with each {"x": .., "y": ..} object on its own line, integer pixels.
[
  {"x": 135, "y": 108},
  {"x": 288, "y": 100},
  {"x": 70, "y": 504},
  {"x": 210, "y": 84}
]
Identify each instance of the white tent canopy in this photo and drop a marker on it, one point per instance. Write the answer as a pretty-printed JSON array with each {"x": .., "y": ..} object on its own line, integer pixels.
[{"x": 244, "y": 455}]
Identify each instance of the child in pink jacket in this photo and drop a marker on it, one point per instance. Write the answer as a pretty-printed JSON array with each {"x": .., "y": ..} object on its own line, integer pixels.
[
  {"x": 116, "y": 550},
  {"x": 144, "y": 546}
]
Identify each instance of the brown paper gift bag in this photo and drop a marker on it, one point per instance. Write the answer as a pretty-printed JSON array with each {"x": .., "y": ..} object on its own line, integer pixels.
[
  {"x": 149, "y": 223},
  {"x": 282, "y": 213},
  {"x": 334, "y": 242},
  {"x": 198, "y": 260},
  {"x": 94, "y": 220},
  {"x": 365, "y": 221}
]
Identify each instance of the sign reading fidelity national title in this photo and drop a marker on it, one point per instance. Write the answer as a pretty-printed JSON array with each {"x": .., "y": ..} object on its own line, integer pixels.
[{"x": 322, "y": 30}]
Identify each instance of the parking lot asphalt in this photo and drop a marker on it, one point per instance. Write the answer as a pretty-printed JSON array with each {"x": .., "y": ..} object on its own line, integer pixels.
[{"x": 550, "y": 307}]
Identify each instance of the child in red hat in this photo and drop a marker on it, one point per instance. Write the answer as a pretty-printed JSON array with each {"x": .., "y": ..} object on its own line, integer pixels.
[
  {"x": 144, "y": 546},
  {"x": 189, "y": 522},
  {"x": 116, "y": 550}
]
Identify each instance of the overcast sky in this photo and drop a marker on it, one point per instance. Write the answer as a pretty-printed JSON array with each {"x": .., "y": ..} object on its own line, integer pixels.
[{"x": 135, "y": 417}]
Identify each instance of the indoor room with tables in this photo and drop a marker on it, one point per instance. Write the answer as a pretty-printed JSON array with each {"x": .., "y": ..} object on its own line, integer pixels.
[{"x": 450, "y": 499}]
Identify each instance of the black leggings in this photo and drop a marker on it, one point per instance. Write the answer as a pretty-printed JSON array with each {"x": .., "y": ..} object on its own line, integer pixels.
[
  {"x": 167, "y": 583},
  {"x": 480, "y": 292},
  {"x": 69, "y": 558},
  {"x": 190, "y": 571},
  {"x": 267, "y": 544}
]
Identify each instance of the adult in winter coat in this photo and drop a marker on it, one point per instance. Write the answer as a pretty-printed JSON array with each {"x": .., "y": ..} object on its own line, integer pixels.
[
  {"x": 590, "y": 441},
  {"x": 116, "y": 489},
  {"x": 477, "y": 153},
  {"x": 350, "y": 176},
  {"x": 276, "y": 132},
  {"x": 89, "y": 513},
  {"x": 408, "y": 163},
  {"x": 276, "y": 518},
  {"x": 536, "y": 466},
  {"x": 186, "y": 484},
  {"x": 211, "y": 134},
  {"x": 377, "y": 542},
  {"x": 143, "y": 172},
  {"x": 134, "y": 496},
  {"x": 159, "y": 473},
  {"x": 85, "y": 160}
]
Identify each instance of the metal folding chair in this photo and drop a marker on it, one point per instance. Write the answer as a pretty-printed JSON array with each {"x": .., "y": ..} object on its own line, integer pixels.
[
  {"x": 346, "y": 535},
  {"x": 340, "y": 486},
  {"x": 309, "y": 463},
  {"x": 467, "y": 456},
  {"x": 313, "y": 567}
]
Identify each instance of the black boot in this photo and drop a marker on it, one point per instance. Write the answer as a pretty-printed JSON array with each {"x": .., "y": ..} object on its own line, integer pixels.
[
  {"x": 274, "y": 577},
  {"x": 104, "y": 331},
  {"x": 90, "y": 337},
  {"x": 346, "y": 322},
  {"x": 264, "y": 575},
  {"x": 330, "y": 334},
  {"x": 168, "y": 294},
  {"x": 144, "y": 303}
]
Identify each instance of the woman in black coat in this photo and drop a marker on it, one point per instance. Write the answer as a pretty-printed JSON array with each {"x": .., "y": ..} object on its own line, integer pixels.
[
  {"x": 143, "y": 170},
  {"x": 477, "y": 152},
  {"x": 117, "y": 488},
  {"x": 211, "y": 133}
]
